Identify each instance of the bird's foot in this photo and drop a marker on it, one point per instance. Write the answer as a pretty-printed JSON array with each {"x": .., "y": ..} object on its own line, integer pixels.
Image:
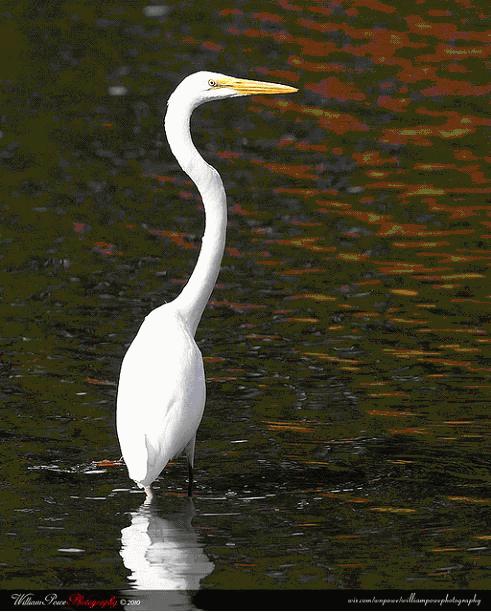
[{"x": 190, "y": 480}]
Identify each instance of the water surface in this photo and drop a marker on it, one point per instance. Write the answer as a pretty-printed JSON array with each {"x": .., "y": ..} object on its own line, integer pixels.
[{"x": 345, "y": 344}]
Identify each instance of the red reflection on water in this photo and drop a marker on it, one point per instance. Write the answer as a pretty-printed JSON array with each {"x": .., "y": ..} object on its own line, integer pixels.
[
  {"x": 332, "y": 87},
  {"x": 375, "y": 5},
  {"x": 268, "y": 17},
  {"x": 417, "y": 24},
  {"x": 333, "y": 121},
  {"x": 178, "y": 238}
]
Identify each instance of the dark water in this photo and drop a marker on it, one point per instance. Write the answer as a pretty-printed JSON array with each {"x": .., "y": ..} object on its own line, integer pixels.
[{"x": 343, "y": 440}]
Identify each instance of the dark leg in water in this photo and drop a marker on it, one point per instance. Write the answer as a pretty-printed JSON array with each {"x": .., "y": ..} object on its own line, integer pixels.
[
  {"x": 190, "y": 457},
  {"x": 190, "y": 481}
]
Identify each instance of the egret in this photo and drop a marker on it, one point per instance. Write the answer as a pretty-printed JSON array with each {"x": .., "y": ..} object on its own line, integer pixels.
[{"x": 161, "y": 391}]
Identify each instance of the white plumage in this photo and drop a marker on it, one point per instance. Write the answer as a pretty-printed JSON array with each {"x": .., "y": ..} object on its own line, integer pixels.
[{"x": 161, "y": 394}]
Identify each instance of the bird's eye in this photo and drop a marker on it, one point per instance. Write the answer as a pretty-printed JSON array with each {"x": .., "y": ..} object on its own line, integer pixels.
[{"x": 212, "y": 83}]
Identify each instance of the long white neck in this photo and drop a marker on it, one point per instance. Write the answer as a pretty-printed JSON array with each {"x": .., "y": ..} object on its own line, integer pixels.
[{"x": 193, "y": 298}]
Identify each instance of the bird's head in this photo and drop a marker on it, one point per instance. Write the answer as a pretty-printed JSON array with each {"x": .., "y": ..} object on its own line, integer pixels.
[{"x": 202, "y": 87}]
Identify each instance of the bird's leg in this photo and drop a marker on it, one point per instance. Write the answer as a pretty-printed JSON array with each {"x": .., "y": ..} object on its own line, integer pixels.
[
  {"x": 190, "y": 480},
  {"x": 190, "y": 457}
]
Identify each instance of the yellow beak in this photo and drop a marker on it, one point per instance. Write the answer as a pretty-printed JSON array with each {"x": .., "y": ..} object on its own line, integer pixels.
[{"x": 246, "y": 87}]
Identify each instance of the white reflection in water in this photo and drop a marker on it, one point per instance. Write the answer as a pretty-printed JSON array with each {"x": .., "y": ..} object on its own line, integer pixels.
[{"x": 164, "y": 553}]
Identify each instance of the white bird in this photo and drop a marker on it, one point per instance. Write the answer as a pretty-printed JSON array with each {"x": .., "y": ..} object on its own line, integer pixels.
[{"x": 161, "y": 393}]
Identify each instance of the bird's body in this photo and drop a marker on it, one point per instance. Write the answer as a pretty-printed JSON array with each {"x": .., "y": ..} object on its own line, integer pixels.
[{"x": 161, "y": 393}]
